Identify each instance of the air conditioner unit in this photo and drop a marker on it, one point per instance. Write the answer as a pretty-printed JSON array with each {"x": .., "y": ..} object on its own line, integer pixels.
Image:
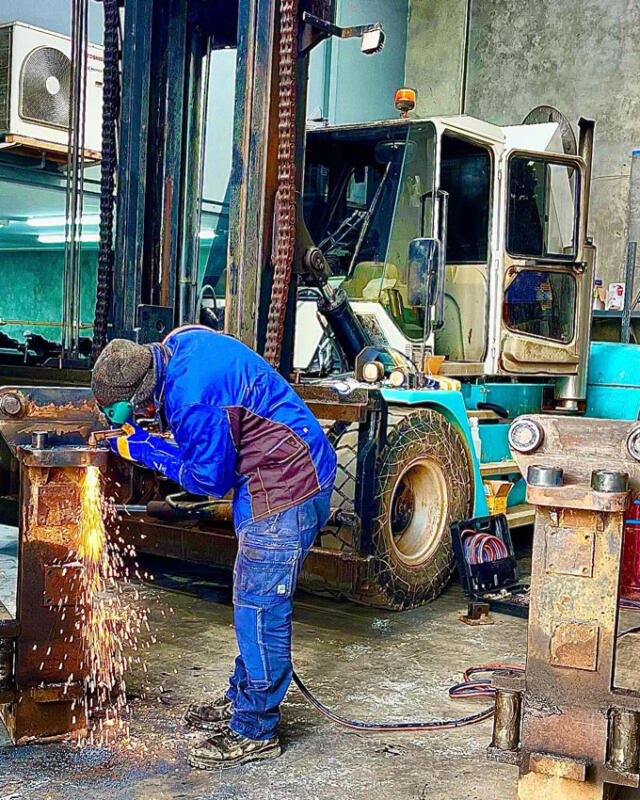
[{"x": 35, "y": 86}]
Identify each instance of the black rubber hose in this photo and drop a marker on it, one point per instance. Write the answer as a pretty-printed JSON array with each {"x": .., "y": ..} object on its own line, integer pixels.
[
  {"x": 382, "y": 727},
  {"x": 499, "y": 410},
  {"x": 110, "y": 115}
]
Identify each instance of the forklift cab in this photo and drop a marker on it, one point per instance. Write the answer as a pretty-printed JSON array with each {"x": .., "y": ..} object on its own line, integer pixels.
[{"x": 503, "y": 206}]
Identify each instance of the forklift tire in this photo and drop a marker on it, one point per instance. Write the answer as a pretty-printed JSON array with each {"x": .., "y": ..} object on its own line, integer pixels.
[{"x": 423, "y": 484}]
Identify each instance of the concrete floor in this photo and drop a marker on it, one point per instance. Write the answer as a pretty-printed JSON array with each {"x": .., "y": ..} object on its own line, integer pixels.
[{"x": 362, "y": 663}]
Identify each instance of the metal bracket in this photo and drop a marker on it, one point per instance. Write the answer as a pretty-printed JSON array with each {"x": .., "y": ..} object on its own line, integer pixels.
[{"x": 372, "y": 34}]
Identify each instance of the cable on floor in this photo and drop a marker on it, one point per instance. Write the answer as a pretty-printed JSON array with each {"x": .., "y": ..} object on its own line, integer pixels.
[
  {"x": 476, "y": 682},
  {"x": 468, "y": 687}
]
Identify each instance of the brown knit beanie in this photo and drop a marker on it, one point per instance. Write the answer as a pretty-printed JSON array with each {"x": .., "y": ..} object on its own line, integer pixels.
[{"x": 124, "y": 370}]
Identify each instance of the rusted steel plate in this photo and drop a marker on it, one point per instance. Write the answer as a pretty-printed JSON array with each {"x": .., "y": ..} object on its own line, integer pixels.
[
  {"x": 577, "y": 496},
  {"x": 48, "y": 652},
  {"x": 573, "y": 769},
  {"x": 57, "y": 504},
  {"x": 62, "y": 584},
  {"x": 570, "y": 551},
  {"x": 343, "y": 412},
  {"x": 579, "y": 445},
  {"x": 69, "y": 414},
  {"x": 575, "y": 645},
  {"x": 57, "y": 692},
  {"x": 58, "y": 456},
  {"x": 325, "y": 403}
]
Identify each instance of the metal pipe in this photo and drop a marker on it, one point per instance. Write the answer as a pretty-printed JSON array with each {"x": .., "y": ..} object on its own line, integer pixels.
[
  {"x": 631, "y": 298},
  {"x": 506, "y": 720},
  {"x": 199, "y": 45},
  {"x": 629, "y": 275},
  {"x": 585, "y": 150},
  {"x": 74, "y": 191},
  {"x": 571, "y": 390},
  {"x": 623, "y": 752}
]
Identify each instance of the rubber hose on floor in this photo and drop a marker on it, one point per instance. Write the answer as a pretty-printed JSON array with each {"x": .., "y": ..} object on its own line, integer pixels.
[{"x": 467, "y": 688}]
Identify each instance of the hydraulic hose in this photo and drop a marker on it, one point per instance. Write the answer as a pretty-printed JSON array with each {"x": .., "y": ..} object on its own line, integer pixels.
[{"x": 467, "y": 688}]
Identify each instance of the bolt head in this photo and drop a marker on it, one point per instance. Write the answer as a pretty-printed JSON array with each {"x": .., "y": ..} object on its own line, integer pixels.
[{"x": 11, "y": 405}]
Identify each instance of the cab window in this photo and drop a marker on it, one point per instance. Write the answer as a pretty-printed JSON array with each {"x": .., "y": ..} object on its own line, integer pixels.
[
  {"x": 465, "y": 174},
  {"x": 542, "y": 221},
  {"x": 541, "y": 303}
]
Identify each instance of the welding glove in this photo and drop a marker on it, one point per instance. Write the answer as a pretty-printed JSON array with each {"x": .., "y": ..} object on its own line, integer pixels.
[{"x": 146, "y": 448}]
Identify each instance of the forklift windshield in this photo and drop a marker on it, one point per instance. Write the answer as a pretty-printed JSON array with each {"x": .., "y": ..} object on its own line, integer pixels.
[{"x": 369, "y": 192}]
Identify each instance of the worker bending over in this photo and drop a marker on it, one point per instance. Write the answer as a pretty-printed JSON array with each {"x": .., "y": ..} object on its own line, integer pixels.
[{"x": 237, "y": 425}]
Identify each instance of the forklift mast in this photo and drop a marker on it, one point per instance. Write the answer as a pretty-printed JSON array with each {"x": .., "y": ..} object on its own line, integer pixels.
[{"x": 166, "y": 45}]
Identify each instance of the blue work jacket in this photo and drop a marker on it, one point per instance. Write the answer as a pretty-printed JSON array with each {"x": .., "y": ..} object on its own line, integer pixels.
[{"x": 237, "y": 425}]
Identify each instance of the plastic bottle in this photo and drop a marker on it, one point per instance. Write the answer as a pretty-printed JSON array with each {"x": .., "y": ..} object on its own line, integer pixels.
[{"x": 598, "y": 302}]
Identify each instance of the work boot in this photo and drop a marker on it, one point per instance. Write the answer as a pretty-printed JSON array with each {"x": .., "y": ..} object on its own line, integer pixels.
[
  {"x": 210, "y": 716},
  {"x": 227, "y": 749}
]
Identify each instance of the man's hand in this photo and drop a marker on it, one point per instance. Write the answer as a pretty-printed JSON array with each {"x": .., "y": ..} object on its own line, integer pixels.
[
  {"x": 134, "y": 445},
  {"x": 152, "y": 451}
]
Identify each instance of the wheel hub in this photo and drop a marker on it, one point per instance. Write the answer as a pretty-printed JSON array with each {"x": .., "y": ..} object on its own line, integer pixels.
[{"x": 418, "y": 511}]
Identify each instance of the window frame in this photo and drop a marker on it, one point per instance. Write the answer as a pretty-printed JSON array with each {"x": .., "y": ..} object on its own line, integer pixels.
[
  {"x": 553, "y": 158},
  {"x": 451, "y": 134},
  {"x": 550, "y": 270}
]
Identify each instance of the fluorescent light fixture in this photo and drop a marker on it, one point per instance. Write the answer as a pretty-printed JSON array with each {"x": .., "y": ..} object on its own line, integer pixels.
[
  {"x": 60, "y": 222},
  {"x": 207, "y": 233},
  {"x": 58, "y": 238}
]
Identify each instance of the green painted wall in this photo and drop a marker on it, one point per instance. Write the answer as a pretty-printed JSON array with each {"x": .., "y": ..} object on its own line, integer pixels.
[
  {"x": 362, "y": 88},
  {"x": 31, "y": 283}
]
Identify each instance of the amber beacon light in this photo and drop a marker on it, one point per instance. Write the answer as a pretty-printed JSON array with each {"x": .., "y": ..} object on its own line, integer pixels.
[{"x": 405, "y": 100}]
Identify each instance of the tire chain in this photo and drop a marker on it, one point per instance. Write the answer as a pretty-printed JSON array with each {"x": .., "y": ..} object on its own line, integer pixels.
[
  {"x": 285, "y": 203},
  {"x": 400, "y": 594}
]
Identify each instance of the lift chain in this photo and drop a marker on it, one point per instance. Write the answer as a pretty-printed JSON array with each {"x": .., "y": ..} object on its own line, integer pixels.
[
  {"x": 285, "y": 204},
  {"x": 110, "y": 113}
]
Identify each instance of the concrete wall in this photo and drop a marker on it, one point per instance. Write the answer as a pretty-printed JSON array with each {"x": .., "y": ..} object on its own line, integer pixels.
[
  {"x": 435, "y": 54},
  {"x": 582, "y": 56}
]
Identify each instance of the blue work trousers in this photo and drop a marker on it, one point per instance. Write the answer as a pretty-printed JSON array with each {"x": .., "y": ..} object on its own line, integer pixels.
[{"x": 270, "y": 556}]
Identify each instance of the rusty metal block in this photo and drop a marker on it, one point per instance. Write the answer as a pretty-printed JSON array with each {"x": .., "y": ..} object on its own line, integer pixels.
[
  {"x": 57, "y": 693},
  {"x": 579, "y": 736},
  {"x": 50, "y": 661},
  {"x": 62, "y": 584},
  {"x": 575, "y": 645},
  {"x": 578, "y": 496},
  {"x": 570, "y": 551},
  {"x": 572, "y": 769},
  {"x": 477, "y": 614}
]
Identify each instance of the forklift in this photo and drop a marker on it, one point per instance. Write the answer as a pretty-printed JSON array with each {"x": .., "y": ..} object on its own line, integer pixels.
[{"x": 420, "y": 282}]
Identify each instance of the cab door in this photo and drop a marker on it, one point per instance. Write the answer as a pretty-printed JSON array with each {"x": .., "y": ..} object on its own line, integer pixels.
[{"x": 546, "y": 282}]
